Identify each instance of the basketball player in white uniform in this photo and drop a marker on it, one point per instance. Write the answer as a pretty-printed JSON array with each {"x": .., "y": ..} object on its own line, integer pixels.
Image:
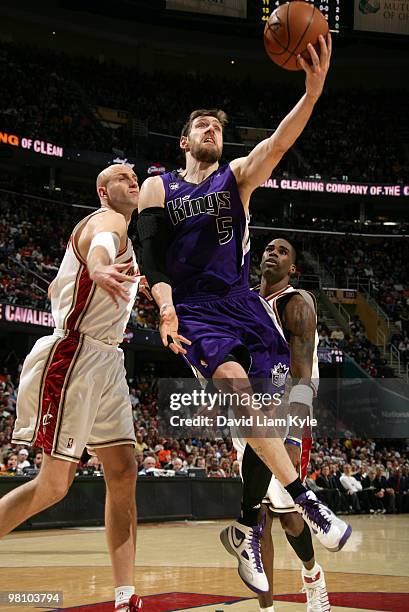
[
  {"x": 296, "y": 318},
  {"x": 73, "y": 391}
]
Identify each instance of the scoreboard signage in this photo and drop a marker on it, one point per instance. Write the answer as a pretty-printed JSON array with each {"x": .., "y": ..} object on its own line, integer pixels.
[
  {"x": 11, "y": 313},
  {"x": 386, "y": 16},
  {"x": 221, "y": 8},
  {"x": 344, "y": 188},
  {"x": 331, "y": 9}
]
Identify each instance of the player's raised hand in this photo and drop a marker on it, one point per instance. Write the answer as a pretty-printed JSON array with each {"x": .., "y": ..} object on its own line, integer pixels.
[
  {"x": 168, "y": 328},
  {"x": 317, "y": 70},
  {"x": 111, "y": 279}
]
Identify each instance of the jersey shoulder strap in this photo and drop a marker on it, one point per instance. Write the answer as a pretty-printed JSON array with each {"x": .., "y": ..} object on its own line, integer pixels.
[{"x": 309, "y": 298}]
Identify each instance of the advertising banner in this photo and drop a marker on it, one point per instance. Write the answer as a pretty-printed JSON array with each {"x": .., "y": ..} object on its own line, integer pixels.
[
  {"x": 221, "y": 8},
  {"x": 382, "y": 16},
  {"x": 12, "y": 313},
  {"x": 344, "y": 188},
  {"x": 345, "y": 296}
]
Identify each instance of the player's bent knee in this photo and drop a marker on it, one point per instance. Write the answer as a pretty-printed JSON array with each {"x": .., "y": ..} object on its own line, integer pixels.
[
  {"x": 292, "y": 523},
  {"x": 52, "y": 490},
  {"x": 230, "y": 370}
]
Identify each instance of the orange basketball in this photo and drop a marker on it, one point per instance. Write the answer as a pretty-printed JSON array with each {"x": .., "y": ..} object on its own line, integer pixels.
[{"x": 288, "y": 31}]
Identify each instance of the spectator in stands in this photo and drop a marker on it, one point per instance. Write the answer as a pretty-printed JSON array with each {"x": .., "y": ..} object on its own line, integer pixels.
[
  {"x": 22, "y": 459},
  {"x": 178, "y": 467},
  {"x": 383, "y": 492},
  {"x": 337, "y": 334},
  {"x": 200, "y": 463},
  {"x": 215, "y": 471},
  {"x": 328, "y": 488},
  {"x": 235, "y": 469},
  {"x": 351, "y": 486},
  {"x": 149, "y": 464},
  {"x": 370, "y": 484},
  {"x": 38, "y": 459},
  {"x": 140, "y": 443},
  {"x": 10, "y": 467}
]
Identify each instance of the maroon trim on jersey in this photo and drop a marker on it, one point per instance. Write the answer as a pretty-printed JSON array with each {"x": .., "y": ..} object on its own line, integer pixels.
[
  {"x": 305, "y": 456},
  {"x": 76, "y": 251},
  {"x": 53, "y": 391},
  {"x": 277, "y": 293},
  {"x": 84, "y": 290}
]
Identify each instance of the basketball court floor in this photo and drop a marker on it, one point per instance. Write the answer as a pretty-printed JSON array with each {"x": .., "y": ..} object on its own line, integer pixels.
[{"x": 182, "y": 566}]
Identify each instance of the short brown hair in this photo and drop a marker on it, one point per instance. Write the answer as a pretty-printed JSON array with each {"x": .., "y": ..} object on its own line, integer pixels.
[{"x": 204, "y": 112}]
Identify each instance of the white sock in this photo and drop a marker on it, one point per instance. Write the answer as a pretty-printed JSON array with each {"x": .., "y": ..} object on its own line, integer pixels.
[
  {"x": 312, "y": 571},
  {"x": 123, "y": 594},
  {"x": 269, "y": 609}
]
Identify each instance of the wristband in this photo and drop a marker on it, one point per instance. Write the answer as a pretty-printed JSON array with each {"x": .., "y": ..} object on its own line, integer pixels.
[
  {"x": 294, "y": 441},
  {"x": 301, "y": 394}
]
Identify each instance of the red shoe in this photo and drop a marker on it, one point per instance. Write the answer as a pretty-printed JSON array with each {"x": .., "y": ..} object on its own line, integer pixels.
[{"x": 134, "y": 604}]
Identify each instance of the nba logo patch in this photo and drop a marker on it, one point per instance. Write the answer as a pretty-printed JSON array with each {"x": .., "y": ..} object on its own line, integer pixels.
[
  {"x": 70, "y": 442},
  {"x": 279, "y": 374},
  {"x": 173, "y": 186}
]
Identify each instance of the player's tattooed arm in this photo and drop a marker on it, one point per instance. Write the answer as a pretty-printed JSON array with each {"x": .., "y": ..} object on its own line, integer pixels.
[
  {"x": 253, "y": 170},
  {"x": 299, "y": 319}
]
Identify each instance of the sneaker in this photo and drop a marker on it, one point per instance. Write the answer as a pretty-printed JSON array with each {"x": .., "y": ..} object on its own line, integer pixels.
[
  {"x": 244, "y": 543},
  {"x": 330, "y": 530},
  {"x": 133, "y": 605},
  {"x": 316, "y": 590}
]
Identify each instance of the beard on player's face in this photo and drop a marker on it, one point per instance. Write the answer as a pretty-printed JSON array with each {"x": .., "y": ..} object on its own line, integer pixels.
[{"x": 203, "y": 153}]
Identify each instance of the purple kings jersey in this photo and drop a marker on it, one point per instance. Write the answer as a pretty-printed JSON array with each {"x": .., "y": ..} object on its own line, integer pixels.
[{"x": 208, "y": 254}]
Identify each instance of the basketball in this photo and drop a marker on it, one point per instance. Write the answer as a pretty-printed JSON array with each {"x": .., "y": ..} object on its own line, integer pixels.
[{"x": 288, "y": 31}]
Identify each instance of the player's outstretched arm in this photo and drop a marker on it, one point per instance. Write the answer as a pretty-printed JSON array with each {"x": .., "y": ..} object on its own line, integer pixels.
[
  {"x": 300, "y": 320},
  {"x": 99, "y": 244},
  {"x": 256, "y": 168},
  {"x": 153, "y": 234}
]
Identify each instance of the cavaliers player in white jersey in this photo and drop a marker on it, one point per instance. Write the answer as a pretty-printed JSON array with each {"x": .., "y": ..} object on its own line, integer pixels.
[
  {"x": 73, "y": 391},
  {"x": 295, "y": 311}
]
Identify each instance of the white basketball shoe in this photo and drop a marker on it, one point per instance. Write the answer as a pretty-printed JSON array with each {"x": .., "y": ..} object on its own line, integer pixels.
[
  {"x": 244, "y": 543},
  {"x": 316, "y": 590},
  {"x": 330, "y": 530}
]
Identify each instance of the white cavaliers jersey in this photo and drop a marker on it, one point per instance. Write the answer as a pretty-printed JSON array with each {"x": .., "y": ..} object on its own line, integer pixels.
[
  {"x": 78, "y": 304},
  {"x": 308, "y": 297}
]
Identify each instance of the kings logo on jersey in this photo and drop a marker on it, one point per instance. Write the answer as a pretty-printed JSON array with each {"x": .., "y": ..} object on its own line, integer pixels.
[{"x": 279, "y": 374}]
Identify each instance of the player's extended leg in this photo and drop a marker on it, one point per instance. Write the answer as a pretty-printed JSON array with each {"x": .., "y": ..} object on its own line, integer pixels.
[
  {"x": 242, "y": 540},
  {"x": 120, "y": 472},
  {"x": 49, "y": 487},
  {"x": 231, "y": 377},
  {"x": 299, "y": 537},
  {"x": 266, "y": 600}
]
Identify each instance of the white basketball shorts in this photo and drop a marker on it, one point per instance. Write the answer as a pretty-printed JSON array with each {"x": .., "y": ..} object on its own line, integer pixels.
[{"x": 73, "y": 394}]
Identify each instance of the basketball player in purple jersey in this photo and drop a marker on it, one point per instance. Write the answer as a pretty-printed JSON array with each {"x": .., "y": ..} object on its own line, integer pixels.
[{"x": 193, "y": 227}]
